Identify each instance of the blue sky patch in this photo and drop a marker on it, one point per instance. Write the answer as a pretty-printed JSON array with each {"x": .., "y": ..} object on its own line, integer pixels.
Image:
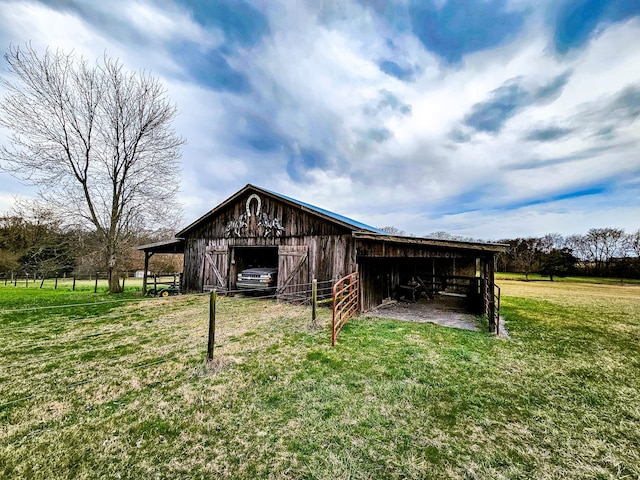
[
  {"x": 259, "y": 134},
  {"x": 460, "y": 26},
  {"x": 582, "y": 192},
  {"x": 210, "y": 68},
  {"x": 395, "y": 70},
  {"x": 300, "y": 163},
  {"x": 491, "y": 115},
  {"x": 508, "y": 100},
  {"x": 241, "y": 22},
  {"x": 576, "y": 21}
]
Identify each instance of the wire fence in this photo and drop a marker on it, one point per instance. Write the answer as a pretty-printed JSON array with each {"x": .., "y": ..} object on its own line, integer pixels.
[
  {"x": 52, "y": 357},
  {"x": 98, "y": 281}
]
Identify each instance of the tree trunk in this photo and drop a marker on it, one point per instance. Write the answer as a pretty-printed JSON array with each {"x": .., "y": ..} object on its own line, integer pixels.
[{"x": 114, "y": 282}]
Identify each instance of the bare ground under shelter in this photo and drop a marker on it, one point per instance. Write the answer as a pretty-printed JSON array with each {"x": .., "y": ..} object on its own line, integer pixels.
[{"x": 446, "y": 310}]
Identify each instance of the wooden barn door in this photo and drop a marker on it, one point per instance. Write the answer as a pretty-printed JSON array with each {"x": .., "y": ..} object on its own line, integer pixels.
[
  {"x": 215, "y": 269},
  {"x": 293, "y": 272}
]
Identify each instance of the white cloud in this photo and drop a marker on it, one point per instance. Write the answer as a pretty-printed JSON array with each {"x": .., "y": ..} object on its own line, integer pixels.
[{"x": 316, "y": 82}]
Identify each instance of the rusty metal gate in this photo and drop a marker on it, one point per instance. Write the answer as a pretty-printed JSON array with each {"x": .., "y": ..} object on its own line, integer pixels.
[
  {"x": 346, "y": 303},
  {"x": 492, "y": 307}
]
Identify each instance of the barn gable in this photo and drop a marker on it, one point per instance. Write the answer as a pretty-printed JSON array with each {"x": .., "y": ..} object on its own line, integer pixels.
[
  {"x": 254, "y": 212},
  {"x": 259, "y": 227}
]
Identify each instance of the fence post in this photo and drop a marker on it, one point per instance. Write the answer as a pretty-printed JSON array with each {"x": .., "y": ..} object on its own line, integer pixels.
[
  {"x": 74, "y": 284},
  {"x": 95, "y": 288},
  {"x": 212, "y": 324},
  {"x": 314, "y": 302}
]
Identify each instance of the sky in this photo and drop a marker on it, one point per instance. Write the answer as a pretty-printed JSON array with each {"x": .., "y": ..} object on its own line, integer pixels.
[{"x": 488, "y": 119}]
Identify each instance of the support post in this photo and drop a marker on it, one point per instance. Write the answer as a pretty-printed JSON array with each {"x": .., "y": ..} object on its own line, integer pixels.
[
  {"x": 314, "y": 302},
  {"x": 212, "y": 324},
  {"x": 55, "y": 287},
  {"x": 95, "y": 289},
  {"x": 147, "y": 256},
  {"x": 42, "y": 282},
  {"x": 73, "y": 288},
  {"x": 492, "y": 294},
  {"x": 124, "y": 276}
]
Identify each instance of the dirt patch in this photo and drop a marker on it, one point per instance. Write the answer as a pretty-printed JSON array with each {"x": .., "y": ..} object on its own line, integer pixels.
[{"x": 444, "y": 310}]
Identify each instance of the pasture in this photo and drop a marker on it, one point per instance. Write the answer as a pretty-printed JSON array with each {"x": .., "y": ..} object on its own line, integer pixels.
[{"x": 118, "y": 388}]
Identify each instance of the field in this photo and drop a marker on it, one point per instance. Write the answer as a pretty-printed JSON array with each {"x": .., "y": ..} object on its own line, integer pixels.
[{"x": 118, "y": 388}]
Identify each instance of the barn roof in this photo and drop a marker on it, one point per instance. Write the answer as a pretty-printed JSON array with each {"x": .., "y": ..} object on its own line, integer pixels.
[
  {"x": 321, "y": 212},
  {"x": 433, "y": 242},
  {"x": 168, "y": 246}
]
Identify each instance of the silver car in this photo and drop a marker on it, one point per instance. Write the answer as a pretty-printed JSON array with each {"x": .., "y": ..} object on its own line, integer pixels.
[{"x": 259, "y": 279}]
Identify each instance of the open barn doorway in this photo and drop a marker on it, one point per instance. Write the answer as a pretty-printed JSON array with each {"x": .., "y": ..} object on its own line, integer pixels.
[{"x": 243, "y": 258}]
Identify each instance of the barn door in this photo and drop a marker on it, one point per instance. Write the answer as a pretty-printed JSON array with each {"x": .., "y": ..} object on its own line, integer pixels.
[
  {"x": 215, "y": 269},
  {"x": 293, "y": 271}
]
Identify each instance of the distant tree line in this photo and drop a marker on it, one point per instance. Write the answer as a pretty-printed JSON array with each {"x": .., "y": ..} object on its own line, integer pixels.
[
  {"x": 602, "y": 252},
  {"x": 39, "y": 245}
]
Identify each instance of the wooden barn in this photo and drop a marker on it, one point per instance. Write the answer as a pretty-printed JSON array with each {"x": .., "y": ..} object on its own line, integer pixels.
[{"x": 258, "y": 227}]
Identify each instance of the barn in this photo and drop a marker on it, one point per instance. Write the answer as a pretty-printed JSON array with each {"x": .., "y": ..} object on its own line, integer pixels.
[{"x": 258, "y": 227}]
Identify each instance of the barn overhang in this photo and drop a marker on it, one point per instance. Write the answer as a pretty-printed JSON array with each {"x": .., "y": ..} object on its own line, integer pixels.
[
  {"x": 389, "y": 264},
  {"x": 174, "y": 246}
]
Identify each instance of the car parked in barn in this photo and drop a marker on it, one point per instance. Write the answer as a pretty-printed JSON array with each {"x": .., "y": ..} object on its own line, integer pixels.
[{"x": 258, "y": 279}]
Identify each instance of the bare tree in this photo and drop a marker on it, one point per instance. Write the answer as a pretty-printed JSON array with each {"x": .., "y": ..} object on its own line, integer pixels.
[
  {"x": 97, "y": 141},
  {"x": 394, "y": 231},
  {"x": 527, "y": 254},
  {"x": 603, "y": 245},
  {"x": 632, "y": 244}
]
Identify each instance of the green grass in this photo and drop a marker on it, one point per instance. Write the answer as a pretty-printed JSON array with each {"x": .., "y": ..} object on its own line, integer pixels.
[
  {"x": 536, "y": 277},
  {"x": 125, "y": 393}
]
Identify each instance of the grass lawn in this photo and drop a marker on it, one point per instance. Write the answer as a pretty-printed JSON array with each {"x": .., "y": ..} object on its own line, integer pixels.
[{"x": 121, "y": 390}]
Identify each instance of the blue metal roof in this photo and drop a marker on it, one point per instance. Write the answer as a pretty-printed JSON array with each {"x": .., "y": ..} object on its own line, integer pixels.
[{"x": 327, "y": 213}]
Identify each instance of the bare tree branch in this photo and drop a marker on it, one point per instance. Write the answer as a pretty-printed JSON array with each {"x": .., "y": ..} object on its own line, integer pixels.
[{"x": 97, "y": 141}]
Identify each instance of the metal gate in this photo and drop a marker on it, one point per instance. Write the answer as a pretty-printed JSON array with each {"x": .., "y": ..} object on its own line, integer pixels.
[
  {"x": 492, "y": 307},
  {"x": 346, "y": 303}
]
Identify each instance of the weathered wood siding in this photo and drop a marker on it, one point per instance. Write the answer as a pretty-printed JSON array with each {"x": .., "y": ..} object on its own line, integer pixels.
[{"x": 329, "y": 248}]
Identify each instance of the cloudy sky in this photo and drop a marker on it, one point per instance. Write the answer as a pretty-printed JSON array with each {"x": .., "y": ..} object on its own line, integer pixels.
[{"x": 485, "y": 118}]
